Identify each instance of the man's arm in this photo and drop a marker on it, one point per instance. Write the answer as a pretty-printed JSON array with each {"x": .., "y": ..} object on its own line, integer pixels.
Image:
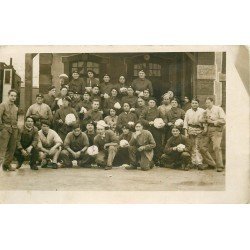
[{"x": 151, "y": 142}]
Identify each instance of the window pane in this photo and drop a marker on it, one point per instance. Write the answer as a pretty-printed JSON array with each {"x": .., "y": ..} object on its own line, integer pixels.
[
  {"x": 81, "y": 70},
  {"x": 80, "y": 64},
  {"x": 89, "y": 64},
  {"x": 74, "y": 64},
  {"x": 135, "y": 72}
]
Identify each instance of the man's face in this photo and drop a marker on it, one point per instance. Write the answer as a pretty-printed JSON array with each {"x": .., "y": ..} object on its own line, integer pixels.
[
  {"x": 186, "y": 100},
  {"x": 71, "y": 94},
  {"x": 76, "y": 96},
  {"x": 114, "y": 92},
  {"x": 106, "y": 79},
  {"x": 125, "y": 131},
  {"x": 100, "y": 130},
  {"x": 130, "y": 91},
  {"x": 77, "y": 131},
  {"x": 95, "y": 90},
  {"x": 142, "y": 75},
  {"x": 166, "y": 100},
  {"x": 12, "y": 96},
  {"x": 64, "y": 91},
  {"x": 61, "y": 81},
  {"x": 209, "y": 104},
  {"x": 29, "y": 123},
  {"x": 45, "y": 128},
  {"x": 112, "y": 112},
  {"x": 52, "y": 92},
  {"x": 39, "y": 100},
  {"x": 140, "y": 102},
  {"x": 138, "y": 127},
  {"x": 126, "y": 107},
  {"x": 194, "y": 104},
  {"x": 146, "y": 93},
  {"x": 175, "y": 132},
  {"x": 90, "y": 127},
  {"x": 65, "y": 103},
  {"x": 151, "y": 103},
  {"x": 86, "y": 97},
  {"x": 95, "y": 105},
  {"x": 75, "y": 75},
  {"x": 174, "y": 104},
  {"x": 122, "y": 79},
  {"x": 90, "y": 75}
]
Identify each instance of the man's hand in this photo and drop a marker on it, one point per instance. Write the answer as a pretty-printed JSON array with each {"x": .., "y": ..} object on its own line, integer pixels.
[
  {"x": 170, "y": 123},
  {"x": 24, "y": 152},
  {"x": 151, "y": 123},
  {"x": 77, "y": 154},
  {"x": 141, "y": 148},
  {"x": 52, "y": 151},
  {"x": 106, "y": 146},
  {"x": 174, "y": 148},
  {"x": 29, "y": 149}
]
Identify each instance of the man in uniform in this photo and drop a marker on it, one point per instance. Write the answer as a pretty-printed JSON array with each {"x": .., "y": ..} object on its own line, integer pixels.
[
  {"x": 142, "y": 144},
  {"x": 174, "y": 154},
  {"x": 130, "y": 97},
  {"x": 107, "y": 143},
  {"x": 27, "y": 144},
  {"x": 90, "y": 132},
  {"x": 91, "y": 81},
  {"x": 140, "y": 107},
  {"x": 75, "y": 146},
  {"x": 63, "y": 79},
  {"x": 39, "y": 110},
  {"x": 216, "y": 120},
  {"x": 50, "y": 98},
  {"x": 8, "y": 130},
  {"x": 49, "y": 145},
  {"x": 94, "y": 114},
  {"x": 77, "y": 83},
  {"x": 141, "y": 83},
  {"x": 95, "y": 95},
  {"x": 106, "y": 86},
  {"x": 76, "y": 100}
]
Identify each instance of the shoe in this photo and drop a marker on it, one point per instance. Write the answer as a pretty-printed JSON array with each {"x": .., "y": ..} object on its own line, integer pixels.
[
  {"x": 5, "y": 168},
  {"x": 220, "y": 169},
  {"x": 10, "y": 168},
  {"x": 108, "y": 167},
  {"x": 34, "y": 167},
  {"x": 201, "y": 167},
  {"x": 94, "y": 165},
  {"x": 44, "y": 164},
  {"x": 187, "y": 167},
  {"x": 131, "y": 167},
  {"x": 19, "y": 164},
  {"x": 54, "y": 165}
]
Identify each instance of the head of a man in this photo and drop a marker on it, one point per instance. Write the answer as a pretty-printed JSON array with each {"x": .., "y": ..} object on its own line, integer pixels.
[
  {"x": 146, "y": 93},
  {"x": 95, "y": 105},
  {"x": 77, "y": 96},
  {"x": 76, "y": 129},
  {"x": 175, "y": 132},
  {"x": 75, "y": 75},
  {"x": 186, "y": 99},
  {"x": 125, "y": 130},
  {"x": 52, "y": 91},
  {"x": 90, "y": 127},
  {"x": 65, "y": 102},
  {"x": 100, "y": 130},
  {"x": 45, "y": 126},
  {"x": 12, "y": 95},
  {"x": 195, "y": 104},
  {"x": 86, "y": 96},
  {"x": 209, "y": 102},
  {"x": 106, "y": 78},
  {"x": 112, "y": 112},
  {"x": 166, "y": 100},
  {"x": 141, "y": 74},
  {"x": 90, "y": 74},
  {"x": 140, "y": 102},
  {"x": 64, "y": 91},
  {"x": 95, "y": 90},
  {"x": 29, "y": 122},
  {"x": 174, "y": 103},
  {"x": 114, "y": 92},
  {"x": 130, "y": 91},
  {"x": 71, "y": 94},
  {"x": 151, "y": 103},
  {"x": 39, "y": 98},
  {"x": 126, "y": 107},
  {"x": 122, "y": 79},
  {"x": 138, "y": 127}
]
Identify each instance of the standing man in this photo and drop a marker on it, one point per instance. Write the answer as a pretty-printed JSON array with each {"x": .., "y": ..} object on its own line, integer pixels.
[
  {"x": 142, "y": 144},
  {"x": 39, "y": 111},
  {"x": 141, "y": 83},
  {"x": 8, "y": 130},
  {"x": 91, "y": 81},
  {"x": 106, "y": 86},
  {"x": 107, "y": 143},
  {"x": 27, "y": 144},
  {"x": 77, "y": 83},
  {"x": 130, "y": 97},
  {"x": 50, "y": 98},
  {"x": 216, "y": 120}
]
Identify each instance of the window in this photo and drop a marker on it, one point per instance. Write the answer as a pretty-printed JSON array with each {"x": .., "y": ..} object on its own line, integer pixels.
[
  {"x": 82, "y": 67},
  {"x": 151, "y": 69}
]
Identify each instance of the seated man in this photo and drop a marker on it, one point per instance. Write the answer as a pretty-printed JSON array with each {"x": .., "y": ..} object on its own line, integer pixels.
[
  {"x": 75, "y": 146},
  {"x": 107, "y": 142},
  {"x": 177, "y": 150},
  {"x": 27, "y": 144},
  {"x": 90, "y": 132},
  {"x": 141, "y": 146},
  {"x": 49, "y": 145}
]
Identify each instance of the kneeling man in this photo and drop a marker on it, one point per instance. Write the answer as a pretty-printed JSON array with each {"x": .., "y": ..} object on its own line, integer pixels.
[
  {"x": 142, "y": 144},
  {"x": 75, "y": 144},
  {"x": 177, "y": 150}
]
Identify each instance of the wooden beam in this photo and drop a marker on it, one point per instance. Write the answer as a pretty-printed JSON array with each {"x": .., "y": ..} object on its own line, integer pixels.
[{"x": 192, "y": 57}]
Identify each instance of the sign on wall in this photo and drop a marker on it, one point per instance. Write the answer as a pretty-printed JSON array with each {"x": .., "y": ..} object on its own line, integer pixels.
[{"x": 206, "y": 72}]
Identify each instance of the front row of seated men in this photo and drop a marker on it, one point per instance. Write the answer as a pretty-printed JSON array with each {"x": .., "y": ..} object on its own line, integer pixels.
[{"x": 99, "y": 147}]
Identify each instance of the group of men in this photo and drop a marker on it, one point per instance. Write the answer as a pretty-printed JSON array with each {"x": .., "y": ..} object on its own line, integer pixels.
[{"x": 93, "y": 124}]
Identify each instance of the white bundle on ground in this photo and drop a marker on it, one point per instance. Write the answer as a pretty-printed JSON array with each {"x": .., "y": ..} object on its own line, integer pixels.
[
  {"x": 70, "y": 118},
  {"x": 92, "y": 150},
  {"x": 179, "y": 123},
  {"x": 117, "y": 105},
  {"x": 159, "y": 123},
  {"x": 124, "y": 143},
  {"x": 181, "y": 147}
]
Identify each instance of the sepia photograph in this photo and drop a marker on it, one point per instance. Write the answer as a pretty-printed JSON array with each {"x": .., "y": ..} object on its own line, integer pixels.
[{"x": 113, "y": 121}]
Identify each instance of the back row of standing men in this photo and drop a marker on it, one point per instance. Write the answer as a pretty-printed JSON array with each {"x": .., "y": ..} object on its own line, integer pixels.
[{"x": 121, "y": 120}]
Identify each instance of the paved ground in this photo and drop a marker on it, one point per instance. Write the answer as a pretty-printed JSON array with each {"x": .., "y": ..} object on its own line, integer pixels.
[{"x": 117, "y": 179}]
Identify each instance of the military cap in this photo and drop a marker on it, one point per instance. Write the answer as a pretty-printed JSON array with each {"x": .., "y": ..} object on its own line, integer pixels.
[
  {"x": 75, "y": 71},
  {"x": 90, "y": 122},
  {"x": 77, "y": 93},
  {"x": 39, "y": 95},
  {"x": 130, "y": 87},
  {"x": 107, "y": 75},
  {"x": 142, "y": 70},
  {"x": 86, "y": 93}
]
